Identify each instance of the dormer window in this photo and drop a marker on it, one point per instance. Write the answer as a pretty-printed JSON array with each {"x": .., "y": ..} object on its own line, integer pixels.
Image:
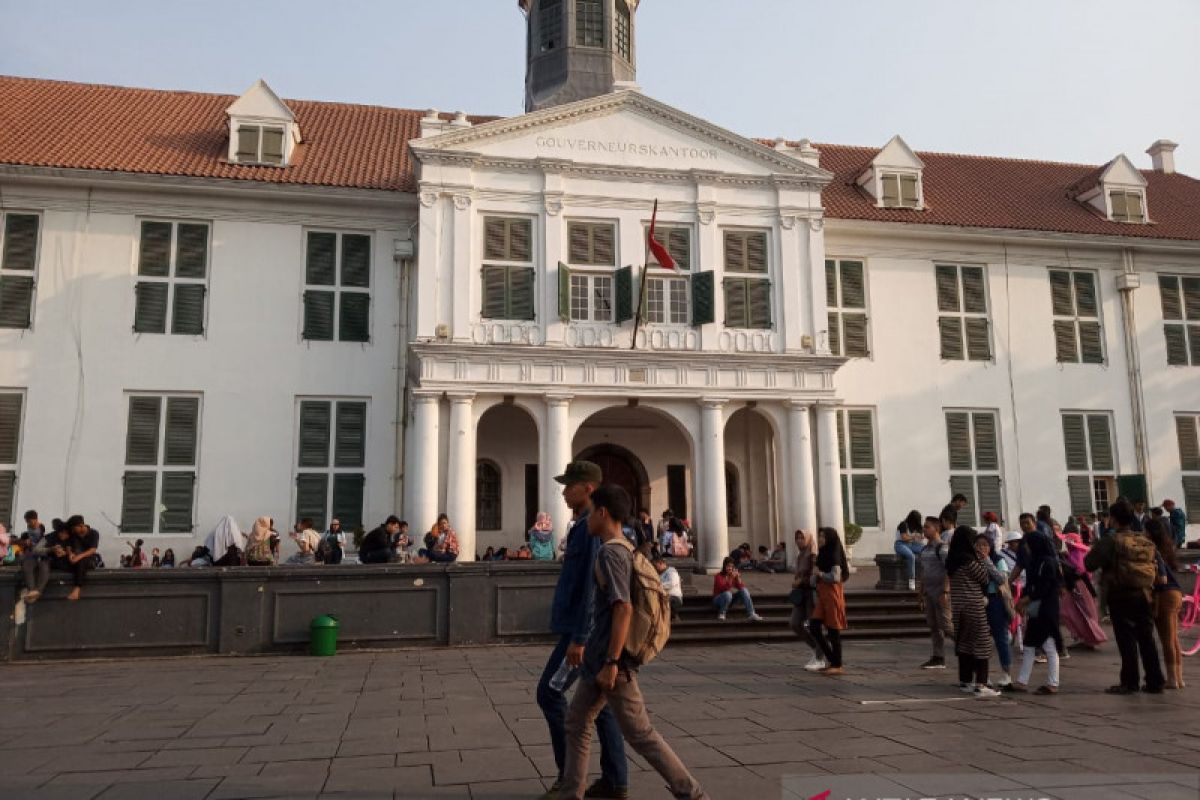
[
  {"x": 262, "y": 129},
  {"x": 900, "y": 190},
  {"x": 1126, "y": 206},
  {"x": 259, "y": 144}
]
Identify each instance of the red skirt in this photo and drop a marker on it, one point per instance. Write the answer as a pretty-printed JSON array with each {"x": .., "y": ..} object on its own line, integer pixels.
[{"x": 831, "y": 606}]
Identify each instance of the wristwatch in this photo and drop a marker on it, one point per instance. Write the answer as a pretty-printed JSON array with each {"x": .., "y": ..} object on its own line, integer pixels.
[{"x": 615, "y": 661}]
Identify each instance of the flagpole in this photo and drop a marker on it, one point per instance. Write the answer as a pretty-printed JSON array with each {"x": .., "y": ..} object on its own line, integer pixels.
[{"x": 637, "y": 319}]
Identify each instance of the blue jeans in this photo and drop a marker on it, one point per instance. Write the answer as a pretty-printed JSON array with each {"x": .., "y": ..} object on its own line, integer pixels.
[
  {"x": 725, "y": 599},
  {"x": 909, "y": 552},
  {"x": 613, "y": 767},
  {"x": 997, "y": 618}
]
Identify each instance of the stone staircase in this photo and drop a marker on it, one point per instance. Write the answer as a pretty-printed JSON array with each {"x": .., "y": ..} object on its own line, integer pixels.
[{"x": 871, "y": 614}]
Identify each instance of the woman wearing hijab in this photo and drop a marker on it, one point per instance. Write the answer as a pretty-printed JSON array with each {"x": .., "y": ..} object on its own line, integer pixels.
[
  {"x": 999, "y": 606},
  {"x": 225, "y": 543},
  {"x": 829, "y": 617},
  {"x": 258, "y": 544},
  {"x": 1039, "y": 603},
  {"x": 541, "y": 538},
  {"x": 1077, "y": 594},
  {"x": 969, "y": 578},
  {"x": 1168, "y": 599},
  {"x": 801, "y": 596}
]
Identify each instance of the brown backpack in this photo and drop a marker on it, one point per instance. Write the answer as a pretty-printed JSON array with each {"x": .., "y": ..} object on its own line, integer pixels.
[
  {"x": 1135, "y": 568},
  {"x": 650, "y": 626}
]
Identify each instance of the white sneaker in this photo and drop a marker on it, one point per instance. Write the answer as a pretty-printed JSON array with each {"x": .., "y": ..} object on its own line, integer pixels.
[
  {"x": 754, "y": 618},
  {"x": 985, "y": 691},
  {"x": 721, "y": 616},
  {"x": 912, "y": 584},
  {"x": 1005, "y": 681},
  {"x": 816, "y": 665},
  {"x": 966, "y": 688}
]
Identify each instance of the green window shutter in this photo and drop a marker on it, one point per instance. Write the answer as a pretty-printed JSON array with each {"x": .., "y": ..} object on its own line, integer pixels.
[
  {"x": 1090, "y": 342},
  {"x": 318, "y": 315},
  {"x": 758, "y": 303},
  {"x": 314, "y": 433},
  {"x": 520, "y": 240},
  {"x": 348, "y": 500},
  {"x": 866, "y": 500},
  {"x": 974, "y": 291},
  {"x": 843, "y": 458},
  {"x": 16, "y": 301},
  {"x": 20, "y": 241},
  {"x": 137, "y": 502},
  {"x": 354, "y": 319},
  {"x": 320, "y": 263},
  {"x": 679, "y": 245},
  {"x": 950, "y": 335},
  {"x": 965, "y": 485},
  {"x": 846, "y": 508},
  {"x": 947, "y": 289},
  {"x": 1169, "y": 297},
  {"x": 183, "y": 422},
  {"x": 1191, "y": 298},
  {"x": 141, "y": 438},
  {"x": 507, "y": 239},
  {"x": 987, "y": 445},
  {"x": 735, "y": 303},
  {"x": 735, "y": 251},
  {"x": 10, "y": 427},
  {"x": 272, "y": 145},
  {"x": 703, "y": 301},
  {"x": 351, "y": 435},
  {"x": 854, "y": 287},
  {"x": 1189, "y": 445},
  {"x": 1194, "y": 340},
  {"x": 1191, "y": 491},
  {"x": 958, "y": 439},
  {"x": 1100, "y": 440},
  {"x": 831, "y": 282},
  {"x": 862, "y": 439},
  {"x": 495, "y": 238},
  {"x": 1060, "y": 293},
  {"x": 756, "y": 251},
  {"x": 1079, "y": 490},
  {"x": 191, "y": 251},
  {"x": 1133, "y": 488},
  {"x": 247, "y": 147},
  {"x": 520, "y": 293},
  {"x": 835, "y": 333},
  {"x": 623, "y": 289},
  {"x": 564, "y": 292},
  {"x": 1075, "y": 441},
  {"x": 1177, "y": 348},
  {"x": 312, "y": 497},
  {"x": 8, "y": 492},
  {"x": 495, "y": 292},
  {"x": 356, "y": 260},
  {"x": 1065, "y": 348},
  {"x": 187, "y": 317},
  {"x": 150, "y": 307},
  {"x": 855, "y": 328},
  {"x": 979, "y": 347},
  {"x": 1085, "y": 294},
  {"x": 178, "y": 499},
  {"x": 154, "y": 249},
  {"x": 591, "y": 244},
  {"x": 990, "y": 496}
]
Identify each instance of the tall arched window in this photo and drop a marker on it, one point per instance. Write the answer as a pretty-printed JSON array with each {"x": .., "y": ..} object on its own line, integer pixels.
[
  {"x": 733, "y": 496},
  {"x": 487, "y": 496}
]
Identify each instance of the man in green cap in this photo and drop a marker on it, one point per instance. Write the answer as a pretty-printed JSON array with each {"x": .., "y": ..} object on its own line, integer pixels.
[{"x": 571, "y": 619}]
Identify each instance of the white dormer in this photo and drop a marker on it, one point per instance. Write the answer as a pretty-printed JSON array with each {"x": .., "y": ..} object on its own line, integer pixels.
[
  {"x": 1119, "y": 193},
  {"x": 262, "y": 129},
  {"x": 894, "y": 177}
]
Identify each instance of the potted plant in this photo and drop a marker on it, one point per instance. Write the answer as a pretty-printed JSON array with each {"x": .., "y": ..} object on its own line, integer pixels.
[{"x": 853, "y": 534}]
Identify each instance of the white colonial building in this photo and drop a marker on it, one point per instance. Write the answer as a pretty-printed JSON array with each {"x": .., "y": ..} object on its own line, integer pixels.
[{"x": 213, "y": 305}]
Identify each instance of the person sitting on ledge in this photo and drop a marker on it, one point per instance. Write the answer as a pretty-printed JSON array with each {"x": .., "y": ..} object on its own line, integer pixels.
[
  {"x": 307, "y": 541},
  {"x": 79, "y": 554},
  {"x": 727, "y": 587},
  {"x": 35, "y": 555},
  {"x": 742, "y": 557},
  {"x": 258, "y": 545},
  {"x": 680, "y": 546},
  {"x": 168, "y": 559},
  {"x": 523, "y": 553},
  {"x": 376, "y": 547},
  {"x": 500, "y": 555},
  {"x": 441, "y": 544},
  {"x": 226, "y": 543},
  {"x": 201, "y": 557},
  {"x": 402, "y": 544},
  {"x": 541, "y": 538},
  {"x": 488, "y": 555}
]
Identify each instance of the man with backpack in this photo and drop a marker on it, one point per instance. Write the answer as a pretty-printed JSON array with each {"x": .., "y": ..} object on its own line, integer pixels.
[
  {"x": 1128, "y": 561},
  {"x": 630, "y": 624}
]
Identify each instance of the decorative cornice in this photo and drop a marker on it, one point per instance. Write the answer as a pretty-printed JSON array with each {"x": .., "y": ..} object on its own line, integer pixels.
[
  {"x": 553, "y": 202},
  {"x": 462, "y": 201}
]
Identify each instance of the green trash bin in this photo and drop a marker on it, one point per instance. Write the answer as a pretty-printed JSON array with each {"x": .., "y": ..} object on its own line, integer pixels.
[{"x": 323, "y": 632}]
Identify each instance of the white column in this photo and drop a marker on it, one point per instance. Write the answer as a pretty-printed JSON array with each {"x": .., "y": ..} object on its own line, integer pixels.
[
  {"x": 460, "y": 472},
  {"x": 465, "y": 298},
  {"x": 421, "y": 470},
  {"x": 801, "y": 484},
  {"x": 714, "y": 528},
  {"x": 830, "y": 468},
  {"x": 556, "y": 454}
]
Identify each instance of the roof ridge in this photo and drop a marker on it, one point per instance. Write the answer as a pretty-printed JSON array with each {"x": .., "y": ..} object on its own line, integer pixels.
[{"x": 973, "y": 156}]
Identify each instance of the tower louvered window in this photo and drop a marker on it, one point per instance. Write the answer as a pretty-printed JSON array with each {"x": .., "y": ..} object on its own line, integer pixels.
[{"x": 589, "y": 23}]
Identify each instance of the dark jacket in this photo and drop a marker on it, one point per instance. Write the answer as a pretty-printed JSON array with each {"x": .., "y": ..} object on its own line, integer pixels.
[
  {"x": 377, "y": 539},
  {"x": 571, "y": 613}
]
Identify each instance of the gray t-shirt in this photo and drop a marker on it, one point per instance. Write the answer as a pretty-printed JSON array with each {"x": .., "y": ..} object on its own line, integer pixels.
[
  {"x": 614, "y": 568},
  {"x": 931, "y": 566}
]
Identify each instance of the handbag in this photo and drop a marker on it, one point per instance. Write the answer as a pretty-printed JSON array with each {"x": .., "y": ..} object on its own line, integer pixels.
[{"x": 799, "y": 596}]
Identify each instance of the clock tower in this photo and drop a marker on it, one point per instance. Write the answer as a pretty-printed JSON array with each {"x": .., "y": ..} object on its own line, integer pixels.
[{"x": 577, "y": 49}]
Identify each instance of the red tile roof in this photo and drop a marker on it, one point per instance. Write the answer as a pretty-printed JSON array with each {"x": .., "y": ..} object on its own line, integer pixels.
[{"x": 150, "y": 131}]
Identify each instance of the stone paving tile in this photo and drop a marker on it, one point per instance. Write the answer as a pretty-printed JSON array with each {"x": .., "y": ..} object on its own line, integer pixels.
[
  {"x": 175, "y": 790},
  {"x": 105, "y": 778},
  {"x": 408, "y": 780},
  {"x": 291, "y": 752},
  {"x": 508, "y": 763}
]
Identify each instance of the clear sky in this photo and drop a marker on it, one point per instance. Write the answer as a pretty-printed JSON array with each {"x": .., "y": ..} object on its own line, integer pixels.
[{"x": 1064, "y": 80}]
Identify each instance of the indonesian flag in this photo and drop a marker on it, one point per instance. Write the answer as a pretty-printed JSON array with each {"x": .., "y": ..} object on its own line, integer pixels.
[{"x": 656, "y": 249}]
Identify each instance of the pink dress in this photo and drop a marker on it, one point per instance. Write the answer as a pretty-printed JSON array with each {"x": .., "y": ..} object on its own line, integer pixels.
[{"x": 1078, "y": 607}]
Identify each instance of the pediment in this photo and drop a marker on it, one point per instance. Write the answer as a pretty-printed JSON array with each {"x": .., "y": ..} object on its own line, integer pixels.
[
  {"x": 623, "y": 129},
  {"x": 896, "y": 154},
  {"x": 1121, "y": 172},
  {"x": 260, "y": 102}
]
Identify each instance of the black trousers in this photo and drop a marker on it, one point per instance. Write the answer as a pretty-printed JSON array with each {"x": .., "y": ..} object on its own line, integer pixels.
[
  {"x": 972, "y": 669},
  {"x": 829, "y": 640},
  {"x": 78, "y": 570},
  {"x": 1133, "y": 627}
]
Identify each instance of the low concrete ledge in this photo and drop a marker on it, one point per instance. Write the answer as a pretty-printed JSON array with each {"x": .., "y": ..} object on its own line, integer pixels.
[
  {"x": 893, "y": 575},
  {"x": 128, "y": 613}
]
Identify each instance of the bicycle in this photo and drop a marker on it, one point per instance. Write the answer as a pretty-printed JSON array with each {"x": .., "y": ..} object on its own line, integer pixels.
[{"x": 1189, "y": 618}]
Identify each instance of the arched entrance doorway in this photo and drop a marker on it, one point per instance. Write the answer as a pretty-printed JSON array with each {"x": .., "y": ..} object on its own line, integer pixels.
[{"x": 622, "y": 467}]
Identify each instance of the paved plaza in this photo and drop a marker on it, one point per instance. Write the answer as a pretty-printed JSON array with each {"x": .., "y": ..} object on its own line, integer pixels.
[{"x": 463, "y": 723}]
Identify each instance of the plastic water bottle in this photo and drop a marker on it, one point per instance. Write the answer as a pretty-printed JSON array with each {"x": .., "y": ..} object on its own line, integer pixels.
[{"x": 562, "y": 676}]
